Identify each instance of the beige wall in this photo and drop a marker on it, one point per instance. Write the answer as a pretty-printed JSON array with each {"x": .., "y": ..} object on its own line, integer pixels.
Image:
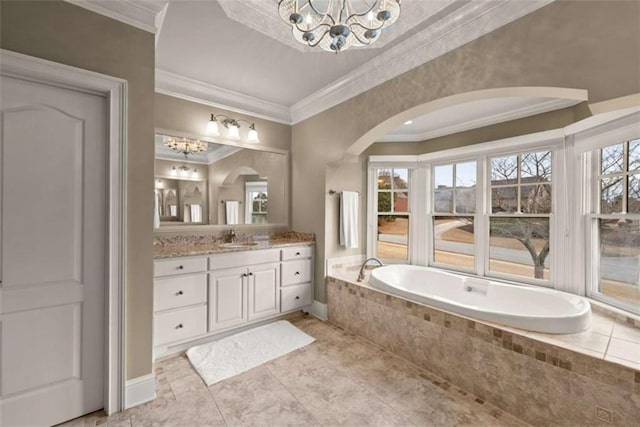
[
  {"x": 591, "y": 45},
  {"x": 65, "y": 33}
]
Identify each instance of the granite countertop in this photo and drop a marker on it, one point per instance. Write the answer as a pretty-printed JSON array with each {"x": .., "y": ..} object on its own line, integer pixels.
[{"x": 194, "y": 246}]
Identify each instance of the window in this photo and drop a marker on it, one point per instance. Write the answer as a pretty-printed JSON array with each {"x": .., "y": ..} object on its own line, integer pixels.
[
  {"x": 519, "y": 222},
  {"x": 392, "y": 188},
  {"x": 616, "y": 225},
  {"x": 454, "y": 206},
  {"x": 256, "y": 202}
]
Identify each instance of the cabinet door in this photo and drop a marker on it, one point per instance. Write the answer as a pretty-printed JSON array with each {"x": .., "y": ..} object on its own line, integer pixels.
[
  {"x": 227, "y": 290},
  {"x": 263, "y": 290}
]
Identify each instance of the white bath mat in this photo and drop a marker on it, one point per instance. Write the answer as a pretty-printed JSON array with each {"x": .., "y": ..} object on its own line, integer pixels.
[{"x": 237, "y": 353}]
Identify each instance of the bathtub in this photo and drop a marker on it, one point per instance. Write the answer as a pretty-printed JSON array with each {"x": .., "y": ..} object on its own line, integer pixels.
[{"x": 524, "y": 307}]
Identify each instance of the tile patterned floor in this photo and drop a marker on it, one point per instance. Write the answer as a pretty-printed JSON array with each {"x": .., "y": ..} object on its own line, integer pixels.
[{"x": 341, "y": 379}]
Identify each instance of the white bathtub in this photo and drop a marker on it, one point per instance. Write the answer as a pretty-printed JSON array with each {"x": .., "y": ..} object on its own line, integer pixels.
[{"x": 530, "y": 308}]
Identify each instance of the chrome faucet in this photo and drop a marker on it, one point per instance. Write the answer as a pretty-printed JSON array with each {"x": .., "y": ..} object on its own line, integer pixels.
[
  {"x": 364, "y": 264},
  {"x": 232, "y": 236}
]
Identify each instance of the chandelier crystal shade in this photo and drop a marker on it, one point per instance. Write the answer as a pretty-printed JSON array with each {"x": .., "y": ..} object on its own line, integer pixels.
[
  {"x": 186, "y": 146},
  {"x": 337, "y": 25}
]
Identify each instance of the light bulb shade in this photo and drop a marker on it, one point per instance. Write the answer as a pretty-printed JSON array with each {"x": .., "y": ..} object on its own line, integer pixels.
[
  {"x": 233, "y": 132},
  {"x": 252, "y": 136},
  {"x": 212, "y": 128}
]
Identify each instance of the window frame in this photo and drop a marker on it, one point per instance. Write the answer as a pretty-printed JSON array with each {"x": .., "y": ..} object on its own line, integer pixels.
[
  {"x": 592, "y": 188},
  {"x": 391, "y": 162},
  {"x": 431, "y": 214}
]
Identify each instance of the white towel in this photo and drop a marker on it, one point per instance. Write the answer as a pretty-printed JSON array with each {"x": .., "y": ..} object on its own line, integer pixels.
[
  {"x": 156, "y": 210},
  {"x": 196, "y": 213},
  {"x": 186, "y": 213},
  {"x": 233, "y": 211},
  {"x": 349, "y": 204}
]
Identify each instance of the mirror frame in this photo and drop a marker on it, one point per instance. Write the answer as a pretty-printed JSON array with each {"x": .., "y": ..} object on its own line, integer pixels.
[{"x": 173, "y": 229}]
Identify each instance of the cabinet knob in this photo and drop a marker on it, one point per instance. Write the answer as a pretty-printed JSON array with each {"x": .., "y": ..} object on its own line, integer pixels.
[
  {"x": 297, "y": 297},
  {"x": 181, "y": 267},
  {"x": 297, "y": 273},
  {"x": 250, "y": 274},
  {"x": 297, "y": 253},
  {"x": 179, "y": 293},
  {"x": 244, "y": 274},
  {"x": 180, "y": 326}
]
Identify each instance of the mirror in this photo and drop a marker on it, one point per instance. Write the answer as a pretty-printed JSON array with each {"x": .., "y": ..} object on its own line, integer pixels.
[{"x": 223, "y": 185}]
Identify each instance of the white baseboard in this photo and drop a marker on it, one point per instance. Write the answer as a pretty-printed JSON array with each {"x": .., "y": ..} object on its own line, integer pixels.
[
  {"x": 319, "y": 310},
  {"x": 139, "y": 390}
]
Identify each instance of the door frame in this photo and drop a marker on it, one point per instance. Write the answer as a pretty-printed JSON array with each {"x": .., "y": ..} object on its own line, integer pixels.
[{"x": 13, "y": 64}]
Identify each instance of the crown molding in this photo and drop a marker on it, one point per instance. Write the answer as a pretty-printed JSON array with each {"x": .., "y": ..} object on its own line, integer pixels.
[
  {"x": 471, "y": 21},
  {"x": 513, "y": 114},
  {"x": 193, "y": 90},
  {"x": 138, "y": 13}
]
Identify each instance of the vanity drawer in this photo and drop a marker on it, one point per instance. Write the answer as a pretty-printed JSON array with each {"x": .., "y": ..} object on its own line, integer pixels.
[
  {"x": 179, "y": 291},
  {"x": 179, "y": 325},
  {"x": 243, "y": 258},
  {"x": 295, "y": 297},
  {"x": 172, "y": 267},
  {"x": 294, "y": 272},
  {"x": 298, "y": 252}
]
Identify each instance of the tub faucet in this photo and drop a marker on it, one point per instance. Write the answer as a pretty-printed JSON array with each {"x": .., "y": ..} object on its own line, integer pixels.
[{"x": 364, "y": 264}]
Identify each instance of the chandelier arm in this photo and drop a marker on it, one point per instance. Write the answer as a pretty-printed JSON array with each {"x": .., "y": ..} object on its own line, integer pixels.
[
  {"x": 323, "y": 15},
  {"x": 322, "y": 24},
  {"x": 365, "y": 42},
  {"x": 324, "y": 34},
  {"x": 363, "y": 13},
  {"x": 365, "y": 27}
]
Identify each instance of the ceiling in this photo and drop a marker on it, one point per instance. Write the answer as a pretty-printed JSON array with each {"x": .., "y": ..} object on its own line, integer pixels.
[
  {"x": 239, "y": 55},
  {"x": 475, "y": 114}
]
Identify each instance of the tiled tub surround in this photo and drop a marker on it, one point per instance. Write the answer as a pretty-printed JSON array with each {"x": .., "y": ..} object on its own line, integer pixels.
[
  {"x": 205, "y": 244},
  {"x": 591, "y": 378}
]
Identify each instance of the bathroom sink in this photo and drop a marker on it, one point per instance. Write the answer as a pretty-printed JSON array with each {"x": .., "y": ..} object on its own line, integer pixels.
[{"x": 239, "y": 245}]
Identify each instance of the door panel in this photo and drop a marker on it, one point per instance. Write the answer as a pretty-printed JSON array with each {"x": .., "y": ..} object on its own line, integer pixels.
[
  {"x": 263, "y": 290},
  {"x": 52, "y": 247},
  {"x": 227, "y": 290}
]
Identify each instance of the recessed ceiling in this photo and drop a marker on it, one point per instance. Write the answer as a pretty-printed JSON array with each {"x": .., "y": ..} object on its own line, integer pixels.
[
  {"x": 473, "y": 115},
  {"x": 239, "y": 55}
]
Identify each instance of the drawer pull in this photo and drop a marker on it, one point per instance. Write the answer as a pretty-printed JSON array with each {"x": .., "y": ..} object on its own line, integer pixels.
[
  {"x": 181, "y": 267},
  {"x": 250, "y": 274},
  {"x": 297, "y": 297},
  {"x": 179, "y": 293},
  {"x": 180, "y": 326},
  {"x": 297, "y": 273},
  {"x": 297, "y": 253}
]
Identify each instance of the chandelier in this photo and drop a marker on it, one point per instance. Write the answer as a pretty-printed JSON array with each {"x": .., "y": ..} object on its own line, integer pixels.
[
  {"x": 336, "y": 25},
  {"x": 186, "y": 146}
]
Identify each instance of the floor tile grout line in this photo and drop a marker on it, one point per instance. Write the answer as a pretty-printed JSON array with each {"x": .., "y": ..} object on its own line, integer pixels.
[
  {"x": 422, "y": 370},
  {"x": 215, "y": 402},
  {"x": 293, "y": 394}
]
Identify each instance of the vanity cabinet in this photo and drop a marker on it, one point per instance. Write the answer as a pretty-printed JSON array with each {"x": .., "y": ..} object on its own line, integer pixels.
[
  {"x": 179, "y": 300},
  {"x": 297, "y": 271},
  {"x": 197, "y": 297}
]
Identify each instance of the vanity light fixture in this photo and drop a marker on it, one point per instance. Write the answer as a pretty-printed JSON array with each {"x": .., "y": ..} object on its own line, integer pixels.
[
  {"x": 186, "y": 146},
  {"x": 232, "y": 126},
  {"x": 337, "y": 25}
]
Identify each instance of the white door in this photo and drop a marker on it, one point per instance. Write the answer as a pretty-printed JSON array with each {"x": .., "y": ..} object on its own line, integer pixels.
[
  {"x": 52, "y": 248},
  {"x": 264, "y": 290},
  {"x": 227, "y": 290}
]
